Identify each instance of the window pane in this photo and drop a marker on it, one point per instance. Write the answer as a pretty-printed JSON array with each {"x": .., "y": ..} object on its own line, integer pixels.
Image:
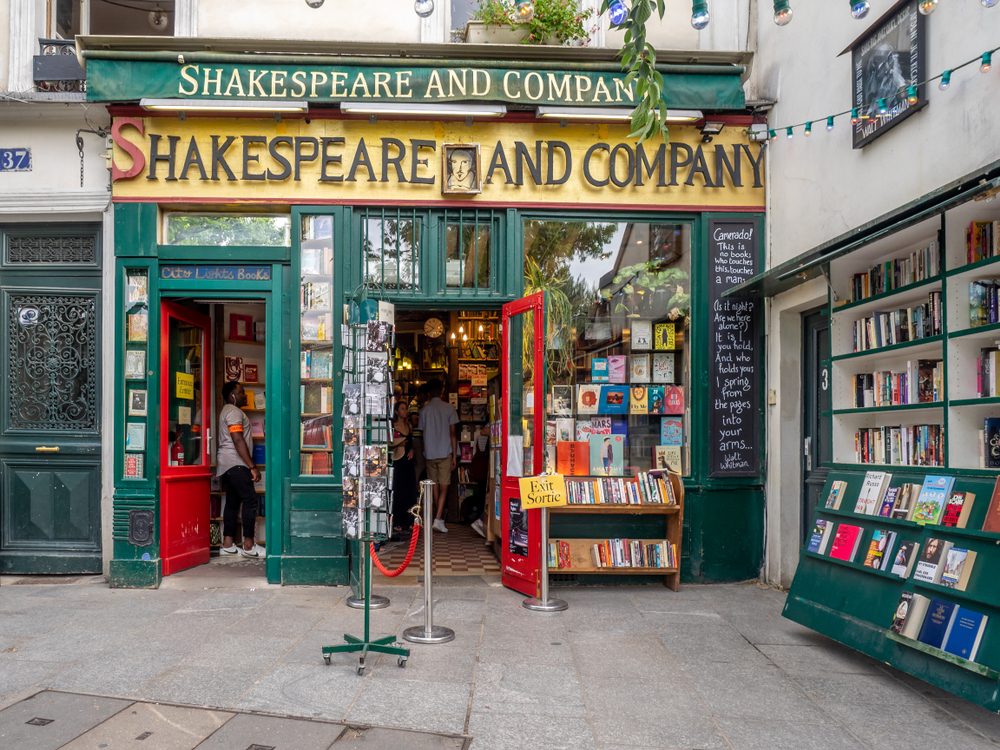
[
  {"x": 468, "y": 255},
  {"x": 618, "y": 359},
  {"x": 316, "y": 337},
  {"x": 227, "y": 229},
  {"x": 391, "y": 246}
]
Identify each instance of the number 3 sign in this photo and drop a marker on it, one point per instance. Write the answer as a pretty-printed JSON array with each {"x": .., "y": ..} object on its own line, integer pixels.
[{"x": 15, "y": 160}]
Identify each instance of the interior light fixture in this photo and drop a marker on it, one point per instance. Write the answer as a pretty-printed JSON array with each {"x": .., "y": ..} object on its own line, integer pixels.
[
  {"x": 610, "y": 113},
  {"x": 427, "y": 110},
  {"x": 221, "y": 105}
]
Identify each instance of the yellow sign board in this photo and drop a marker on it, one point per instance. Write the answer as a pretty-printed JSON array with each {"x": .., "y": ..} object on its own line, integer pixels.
[
  {"x": 528, "y": 163},
  {"x": 546, "y": 491},
  {"x": 185, "y": 385}
]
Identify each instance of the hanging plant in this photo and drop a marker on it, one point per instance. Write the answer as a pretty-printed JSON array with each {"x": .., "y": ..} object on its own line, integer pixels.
[{"x": 644, "y": 280}]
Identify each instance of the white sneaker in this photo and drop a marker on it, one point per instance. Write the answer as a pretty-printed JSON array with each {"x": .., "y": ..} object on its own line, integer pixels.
[
  {"x": 256, "y": 551},
  {"x": 438, "y": 525},
  {"x": 477, "y": 526},
  {"x": 231, "y": 550}
]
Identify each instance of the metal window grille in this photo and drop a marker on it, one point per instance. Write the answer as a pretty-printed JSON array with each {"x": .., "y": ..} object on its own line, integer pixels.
[
  {"x": 391, "y": 247},
  {"x": 470, "y": 240}
]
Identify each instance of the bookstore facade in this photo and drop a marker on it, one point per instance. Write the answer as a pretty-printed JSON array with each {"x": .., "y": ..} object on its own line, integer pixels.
[{"x": 535, "y": 267}]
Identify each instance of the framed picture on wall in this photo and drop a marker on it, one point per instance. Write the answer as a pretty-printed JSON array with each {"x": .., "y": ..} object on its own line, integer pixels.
[
  {"x": 137, "y": 403},
  {"x": 240, "y": 327},
  {"x": 461, "y": 170}
]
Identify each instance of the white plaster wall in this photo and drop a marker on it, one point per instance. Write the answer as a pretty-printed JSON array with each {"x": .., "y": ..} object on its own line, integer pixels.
[
  {"x": 674, "y": 31},
  {"x": 4, "y": 42}
]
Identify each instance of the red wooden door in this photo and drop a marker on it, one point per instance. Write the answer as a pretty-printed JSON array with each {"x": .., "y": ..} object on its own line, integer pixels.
[
  {"x": 523, "y": 370},
  {"x": 185, "y": 470}
]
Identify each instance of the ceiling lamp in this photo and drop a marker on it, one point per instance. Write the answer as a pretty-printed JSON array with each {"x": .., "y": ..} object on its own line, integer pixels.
[
  {"x": 610, "y": 113},
  {"x": 221, "y": 105}
]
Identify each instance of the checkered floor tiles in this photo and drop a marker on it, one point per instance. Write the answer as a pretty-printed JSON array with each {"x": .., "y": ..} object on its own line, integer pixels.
[{"x": 459, "y": 552}]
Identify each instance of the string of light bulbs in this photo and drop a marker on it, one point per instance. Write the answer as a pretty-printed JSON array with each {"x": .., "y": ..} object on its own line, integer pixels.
[{"x": 857, "y": 114}]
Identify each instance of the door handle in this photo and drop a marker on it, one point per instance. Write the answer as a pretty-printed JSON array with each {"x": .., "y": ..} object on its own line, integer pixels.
[{"x": 47, "y": 448}]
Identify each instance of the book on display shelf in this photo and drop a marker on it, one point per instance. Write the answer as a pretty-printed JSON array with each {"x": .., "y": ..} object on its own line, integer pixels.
[
  {"x": 599, "y": 370},
  {"x": 991, "y": 523},
  {"x": 932, "y": 499},
  {"x": 930, "y": 565},
  {"x": 894, "y": 327},
  {"x": 909, "y": 615},
  {"x": 872, "y": 491},
  {"x": 957, "y": 568},
  {"x": 958, "y": 509},
  {"x": 625, "y": 553},
  {"x": 663, "y": 367},
  {"x": 906, "y": 557},
  {"x": 639, "y": 371},
  {"x": 966, "y": 633},
  {"x": 846, "y": 542},
  {"x": 879, "y": 549},
  {"x": 937, "y": 622},
  {"x": 820, "y": 536},
  {"x": 919, "y": 265},
  {"x": 838, "y": 488}
]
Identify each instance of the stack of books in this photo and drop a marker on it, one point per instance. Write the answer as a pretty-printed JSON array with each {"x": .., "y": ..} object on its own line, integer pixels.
[
  {"x": 899, "y": 326},
  {"x": 624, "y": 553},
  {"x": 892, "y": 274}
]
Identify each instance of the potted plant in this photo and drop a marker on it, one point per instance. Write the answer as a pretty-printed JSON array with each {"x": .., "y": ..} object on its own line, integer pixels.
[{"x": 555, "y": 22}]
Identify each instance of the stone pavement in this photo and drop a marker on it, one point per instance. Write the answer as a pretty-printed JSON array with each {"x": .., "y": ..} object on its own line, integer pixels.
[{"x": 637, "y": 667}]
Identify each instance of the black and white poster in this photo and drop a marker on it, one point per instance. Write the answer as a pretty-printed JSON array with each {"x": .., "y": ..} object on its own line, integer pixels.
[{"x": 886, "y": 61}]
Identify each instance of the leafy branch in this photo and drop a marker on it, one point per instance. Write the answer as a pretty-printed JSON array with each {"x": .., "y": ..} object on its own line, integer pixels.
[
  {"x": 649, "y": 118},
  {"x": 651, "y": 277}
]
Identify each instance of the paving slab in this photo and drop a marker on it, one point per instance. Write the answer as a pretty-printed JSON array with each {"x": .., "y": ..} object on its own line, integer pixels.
[
  {"x": 113, "y": 671},
  {"x": 363, "y": 738},
  {"x": 246, "y": 730},
  {"x": 511, "y": 732},
  {"x": 157, "y": 727},
  {"x": 434, "y": 706},
  {"x": 60, "y": 718},
  {"x": 781, "y": 735},
  {"x": 305, "y": 690},
  {"x": 526, "y": 689}
]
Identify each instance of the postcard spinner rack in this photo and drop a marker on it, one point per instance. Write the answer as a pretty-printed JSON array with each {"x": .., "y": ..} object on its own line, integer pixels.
[{"x": 367, "y": 476}]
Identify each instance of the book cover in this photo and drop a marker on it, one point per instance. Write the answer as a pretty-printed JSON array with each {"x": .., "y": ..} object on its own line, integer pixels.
[
  {"x": 562, "y": 399},
  {"x": 640, "y": 369},
  {"x": 135, "y": 364},
  {"x": 257, "y": 428},
  {"x": 819, "y": 535},
  {"x": 138, "y": 325},
  {"x": 588, "y": 399},
  {"x": 600, "y": 425},
  {"x": 937, "y": 623},
  {"x": 663, "y": 367},
  {"x": 878, "y": 549},
  {"x": 638, "y": 400},
  {"x": 956, "y": 512},
  {"x": 991, "y": 523},
  {"x": 599, "y": 370},
  {"x": 929, "y": 566},
  {"x": 565, "y": 429},
  {"x": 259, "y": 455},
  {"x": 888, "y": 502},
  {"x": 664, "y": 336},
  {"x": 837, "y": 490},
  {"x": 583, "y": 429},
  {"x": 906, "y": 556},
  {"x": 673, "y": 399},
  {"x": 869, "y": 498},
  {"x": 903, "y": 502},
  {"x": 550, "y": 430},
  {"x": 915, "y": 617},
  {"x": 966, "y": 633},
  {"x": 565, "y": 560},
  {"x": 607, "y": 455},
  {"x": 617, "y": 371},
  {"x": 134, "y": 465},
  {"x": 671, "y": 431},
  {"x": 656, "y": 395},
  {"x": 135, "y": 436},
  {"x": 670, "y": 455},
  {"x": 614, "y": 399},
  {"x": 642, "y": 335},
  {"x": 992, "y": 427},
  {"x": 902, "y": 610},
  {"x": 930, "y": 504},
  {"x": 958, "y": 564},
  {"x": 845, "y": 543}
]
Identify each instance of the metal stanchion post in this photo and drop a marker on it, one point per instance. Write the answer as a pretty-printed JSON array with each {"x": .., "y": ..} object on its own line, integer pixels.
[
  {"x": 428, "y": 632},
  {"x": 545, "y": 604}
]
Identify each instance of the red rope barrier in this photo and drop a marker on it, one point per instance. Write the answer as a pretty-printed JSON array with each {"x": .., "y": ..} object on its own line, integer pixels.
[{"x": 409, "y": 554}]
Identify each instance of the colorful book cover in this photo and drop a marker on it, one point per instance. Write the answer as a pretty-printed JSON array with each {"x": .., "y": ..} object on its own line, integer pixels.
[
  {"x": 991, "y": 523},
  {"x": 617, "y": 369},
  {"x": 956, "y": 512},
  {"x": 818, "y": 536},
  {"x": 663, "y": 367},
  {"x": 902, "y": 610},
  {"x": 614, "y": 399},
  {"x": 583, "y": 429},
  {"x": 638, "y": 400},
  {"x": 671, "y": 431},
  {"x": 565, "y": 430},
  {"x": 929, "y": 566},
  {"x": 902, "y": 564},
  {"x": 931, "y": 502},
  {"x": 656, "y": 396},
  {"x": 667, "y": 457},
  {"x": 837, "y": 490},
  {"x": 599, "y": 370},
  {"x": 640, "y": 369},
  {"x": 877, "y": 549},
  {"x": 888, "y": 502},
  {"x": 607, "y": 455},
  {"x": 937, "y": 623},
  {"x": 642, "y": 335},
  {"x": 588, "y": 399},
  {"x": 664, "y": 336},
  {"x": 845, "y": 543},
  {"x": 958, "y": 565},
  {"x": 966, "y": 633},
  {"x": 673, "y": 399},
  {"x": 600, "y": 426}
]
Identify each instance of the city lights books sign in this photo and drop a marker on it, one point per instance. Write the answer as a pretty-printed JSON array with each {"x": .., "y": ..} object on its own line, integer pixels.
[{"x": 885, "y": 62}]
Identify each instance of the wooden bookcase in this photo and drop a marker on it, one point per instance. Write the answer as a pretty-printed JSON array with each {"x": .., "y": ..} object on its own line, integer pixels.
[{"x": 673, "y": 521}]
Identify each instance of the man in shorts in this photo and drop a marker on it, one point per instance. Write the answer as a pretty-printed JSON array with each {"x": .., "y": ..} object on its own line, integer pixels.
[
  {"x": 437, "y": 424},
  {"x": 238, "y": 472}
]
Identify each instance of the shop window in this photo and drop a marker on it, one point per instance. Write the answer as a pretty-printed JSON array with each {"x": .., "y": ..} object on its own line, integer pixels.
[
  {"x": 134, "y": 18},
  {"x": 618, "y": 337},
  {"x": 468, "y": 249},
  {"x": 219, "y": 230},
  {"x": 390, "y": 242},
  {"x": 316, "y": 340}
]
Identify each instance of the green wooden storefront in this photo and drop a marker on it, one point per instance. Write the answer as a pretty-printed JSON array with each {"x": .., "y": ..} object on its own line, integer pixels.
[{"x": 723, "y": 524}]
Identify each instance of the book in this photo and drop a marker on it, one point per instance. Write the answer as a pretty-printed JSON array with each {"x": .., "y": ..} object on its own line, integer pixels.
[
  {"x": 957, "y": 511},
  {"x": 991, "y": 523},
  {"x": 617, "y": 372},
  {"x": 902, "y": 611},
  {"x": 565, "y": 430},
  {"x": 906, "y": 556},
  {"x": 573, "y": 458},
  {"x": 135, "y": 364},
  {"x": 138, "y": 325},
  {"x": 889, "y": 502},
  {"x": 915, "y": 616},
  {"x": 587, "y": 399},
  {"x": 134, "y": 465},
  {"x": 905, "y": 500},
  {"x": 673, "y": 399},
  {"x": 600, "y": 426},
  {"x": 663, "y": 367},
  {"x": 614, "y": 399},
  {"x": 135, "y": 436},
  {"x": 642, "y": 335},
  {"x": 671, "y": 457},
  {"x": 671, "y": 431},
  {"x": 259, "y": 454},
  {"x": 937, "y": 623},
  {"x": 845, "y": 542},
  {"x": 664, "y": 336},
  {"x": 992, "y": 446},
  {"x": 837, "y": 490},
  {"x": 640, "y": 369},
  {"x": 562, "y": 399},
  {"x": 957, "y": 568},
  {"x": 607, "y": 455},
  {"x": 879, "y": 549},
  {"x": 872, "y": 491},
  {"x": 638, "y": 400},
  {"x": 966, "y": 634},
  {"x": 930, "y": 504},
  {"x": 930, "y": 565},
  {"x": 820, "y": 536},
  {"x": 656, "y": 405},
  {"x": 599, "y": 370},
  {"x": 257, "y": 428},
  {"x": 583, "y": 429}
]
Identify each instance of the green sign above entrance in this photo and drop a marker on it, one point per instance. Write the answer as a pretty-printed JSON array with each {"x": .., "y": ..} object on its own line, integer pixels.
[{"x": 131, "y": 80}]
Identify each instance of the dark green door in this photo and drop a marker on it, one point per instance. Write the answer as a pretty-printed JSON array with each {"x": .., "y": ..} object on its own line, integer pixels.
[
  {"x": 50, "y": 437},
  {"x": 816, "y": 449}
]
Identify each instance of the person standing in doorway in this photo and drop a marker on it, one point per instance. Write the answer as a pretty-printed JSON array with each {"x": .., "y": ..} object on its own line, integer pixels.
[
  {"x": 418, "y": 437},
  {"x": 238, "y": 472},
  {"x": 437, "y": 423}
]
